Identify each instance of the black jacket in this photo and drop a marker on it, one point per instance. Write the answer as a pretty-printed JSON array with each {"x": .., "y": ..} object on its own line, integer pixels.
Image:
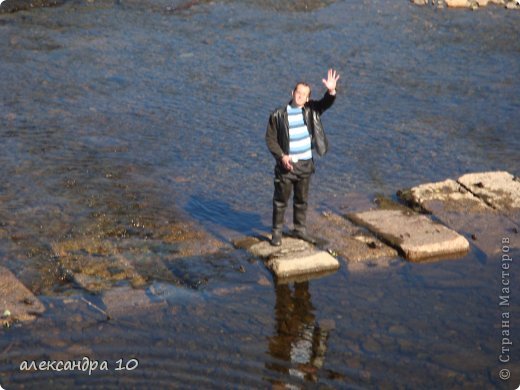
[{"x": 277, "y": 133}]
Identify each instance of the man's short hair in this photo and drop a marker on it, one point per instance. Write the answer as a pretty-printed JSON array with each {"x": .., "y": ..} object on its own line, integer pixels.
[{"x": 304, "y": 84}]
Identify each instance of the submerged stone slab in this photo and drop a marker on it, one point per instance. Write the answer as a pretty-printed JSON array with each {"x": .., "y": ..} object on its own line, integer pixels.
[
  {"x": 350, "y": 241},
  {"x": 500, "y": 190},
  {"x": 16, "y": 301},
  {"x": 461, "y": 210},
  {"x": 126, "y": 301},
  {"x": 173, "y": 294},
  {"x": 94, "y": 264},
  {"x": 415, "y": 235}
]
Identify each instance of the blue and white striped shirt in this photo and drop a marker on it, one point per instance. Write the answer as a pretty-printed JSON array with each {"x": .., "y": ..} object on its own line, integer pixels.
[{"x": 299, "y": 137}]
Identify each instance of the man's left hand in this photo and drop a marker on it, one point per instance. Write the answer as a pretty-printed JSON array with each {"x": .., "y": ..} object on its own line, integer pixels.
[{"x": 331, "y": 81}]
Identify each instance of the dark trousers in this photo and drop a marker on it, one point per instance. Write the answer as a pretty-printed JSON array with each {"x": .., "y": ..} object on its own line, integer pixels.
[{"x": 285, "y": 183}]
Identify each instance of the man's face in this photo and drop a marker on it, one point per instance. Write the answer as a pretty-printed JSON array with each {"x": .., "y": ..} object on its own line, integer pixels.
[{"x": 301, "y": 95}]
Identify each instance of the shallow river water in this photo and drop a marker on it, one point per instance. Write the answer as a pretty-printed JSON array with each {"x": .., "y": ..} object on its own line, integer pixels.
[{"x": 122, "y": 119}]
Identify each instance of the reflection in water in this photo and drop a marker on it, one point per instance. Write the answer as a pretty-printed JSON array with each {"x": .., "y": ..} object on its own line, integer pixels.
[{"x": 299, "y": 344}]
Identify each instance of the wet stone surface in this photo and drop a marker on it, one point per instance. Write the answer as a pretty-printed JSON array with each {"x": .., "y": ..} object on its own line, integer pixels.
[
  {"x": 17, "y": 303},
  {"x": 501, "y": 190},
  {"x": 350, "y": 241},
  {"x": 95, "y": 265},
  {"x": 416, "y": 236},
  {"x": 452, "y": 195},
  {"x": 128, "y": 301},
  {"x": 294, "y": 258},
  {"x": 480, "y": 206}
]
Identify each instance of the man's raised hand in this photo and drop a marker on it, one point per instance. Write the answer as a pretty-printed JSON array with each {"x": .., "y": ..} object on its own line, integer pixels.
[{"x": 331, "y": 81}]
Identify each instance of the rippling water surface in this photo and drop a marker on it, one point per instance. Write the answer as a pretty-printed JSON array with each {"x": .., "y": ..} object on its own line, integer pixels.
[{"x": 120, "y": 120}]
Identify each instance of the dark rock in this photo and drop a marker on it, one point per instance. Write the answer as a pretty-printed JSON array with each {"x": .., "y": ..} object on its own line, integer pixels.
[{"x": 10, "y": 6}]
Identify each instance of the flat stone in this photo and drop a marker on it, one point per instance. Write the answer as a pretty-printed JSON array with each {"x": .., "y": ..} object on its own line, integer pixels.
[
  {"x": 449, "y": 192},
  {"x": 289, "y": 245},
  {"x": 17, "y": 299},
  {"x": 500, "y": 190},
  {"x": 457, "y": 3},
  {"x": 337, "y": 235},
  {"x": 459, "y": 209},
  {"x": 294, "y": 260},
  {"x": 350, "y": 241},
  {"x": 415, "y": 235},
  {"x": 302, "y": 264}
]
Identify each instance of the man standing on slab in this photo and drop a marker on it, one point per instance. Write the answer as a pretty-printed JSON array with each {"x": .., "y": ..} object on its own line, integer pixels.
[{"x": 292, "y": 132}]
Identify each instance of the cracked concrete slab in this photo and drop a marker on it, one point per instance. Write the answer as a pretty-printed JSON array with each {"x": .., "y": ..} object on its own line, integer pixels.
[
  {"x": 452, "y": 195},
  {"x": 500, "y": 189},
  {"x": 353, "y": 243},
  {"x": 459, "y": 209}
]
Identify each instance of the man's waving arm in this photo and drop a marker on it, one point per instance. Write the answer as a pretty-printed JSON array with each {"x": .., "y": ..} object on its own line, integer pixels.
[{"x": 330, "y": 83}]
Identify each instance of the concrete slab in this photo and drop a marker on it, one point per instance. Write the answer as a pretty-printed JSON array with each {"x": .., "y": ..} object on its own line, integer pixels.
[
  {"x": 16, "y": 299},
  {"x": 298, "y": 264},
  {"x": 415, "y": 235},
  {"x": 350, "y": 241},
  {"x": 337, "y": 234},
  {"x": 449, "y": 192},
  {"x": 289, "y": 245},
  {"x": 500, "y": 190},
  {"x": 294, "y": 258},
  {"x": 459, "y": 209}
]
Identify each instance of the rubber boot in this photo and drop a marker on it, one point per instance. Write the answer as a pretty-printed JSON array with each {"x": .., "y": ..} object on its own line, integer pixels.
[
  {"x": 301, "y": 194},
  {"x": 282, "y": 193},
  {"x": 278, "y": 220},
  {"x": 301, "y": 191}
]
